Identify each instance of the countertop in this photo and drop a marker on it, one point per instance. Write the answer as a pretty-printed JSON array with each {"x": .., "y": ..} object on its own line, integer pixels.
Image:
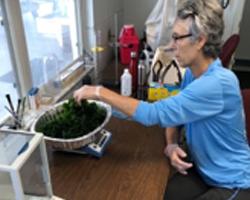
[{"x": 133, "y": 167}]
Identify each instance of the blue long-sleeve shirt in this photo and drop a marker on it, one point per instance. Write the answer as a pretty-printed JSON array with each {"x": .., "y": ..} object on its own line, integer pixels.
[{"x": 210, "y": 107}]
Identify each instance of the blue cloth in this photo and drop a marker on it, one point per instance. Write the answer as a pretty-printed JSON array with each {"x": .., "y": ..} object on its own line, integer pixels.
[{"x": 210, "y": 107}]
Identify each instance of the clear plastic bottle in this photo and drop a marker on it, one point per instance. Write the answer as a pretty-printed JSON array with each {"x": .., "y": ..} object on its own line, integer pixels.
[{"x": 126, "y": 83}]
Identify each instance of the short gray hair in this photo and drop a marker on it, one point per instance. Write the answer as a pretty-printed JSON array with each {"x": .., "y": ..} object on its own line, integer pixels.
[{"x": 207, "y": 19}]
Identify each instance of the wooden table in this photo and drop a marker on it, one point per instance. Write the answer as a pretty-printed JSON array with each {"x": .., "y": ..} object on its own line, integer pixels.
[{"x": 133, "y": 167}]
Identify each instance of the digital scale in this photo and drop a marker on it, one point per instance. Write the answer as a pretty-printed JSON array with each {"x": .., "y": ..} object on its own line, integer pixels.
[{"x": 97, "y": 147}]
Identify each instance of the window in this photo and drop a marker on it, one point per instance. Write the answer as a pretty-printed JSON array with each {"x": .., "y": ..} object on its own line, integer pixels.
[
  {"x": 7, "y": 77},
  {"x": 51, "y": 36},
  {"x": 38, "y": 40}
]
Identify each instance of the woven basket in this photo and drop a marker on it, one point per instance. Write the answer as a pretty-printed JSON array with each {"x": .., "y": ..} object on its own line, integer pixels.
[{"x": 73, "y": 143}]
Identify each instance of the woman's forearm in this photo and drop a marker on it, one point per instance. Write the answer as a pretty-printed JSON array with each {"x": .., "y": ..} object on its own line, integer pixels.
[
  {"x": 126, "y": 105},
  {"x": 171, "y": 135}
]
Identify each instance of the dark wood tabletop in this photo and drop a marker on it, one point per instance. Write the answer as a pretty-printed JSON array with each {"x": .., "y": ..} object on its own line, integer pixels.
[{"x": 133, "y": 167}]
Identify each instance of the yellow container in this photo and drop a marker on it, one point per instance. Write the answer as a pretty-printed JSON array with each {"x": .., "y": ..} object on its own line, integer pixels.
[{"x": 156, "y": 92}]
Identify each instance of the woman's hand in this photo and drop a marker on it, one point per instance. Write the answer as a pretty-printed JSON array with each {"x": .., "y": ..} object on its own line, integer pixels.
[
  {"x": 87, "y": 92},
  {"x": 176, "y": 155}
]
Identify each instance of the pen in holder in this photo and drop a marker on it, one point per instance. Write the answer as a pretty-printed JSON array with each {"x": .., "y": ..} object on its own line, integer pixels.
[{"x": 16, "y": 115}]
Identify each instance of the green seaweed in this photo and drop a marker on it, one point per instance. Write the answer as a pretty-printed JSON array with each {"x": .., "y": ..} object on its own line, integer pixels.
[{"x": 74, "y": 120}]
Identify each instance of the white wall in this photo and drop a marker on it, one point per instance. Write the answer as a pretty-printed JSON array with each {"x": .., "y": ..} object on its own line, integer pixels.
[
  {"x": 103, "y": 29},
  {"x": 136, "y": 12},
  {"x": 130, "y": 12},
  {"x": 127, "y": 12}
]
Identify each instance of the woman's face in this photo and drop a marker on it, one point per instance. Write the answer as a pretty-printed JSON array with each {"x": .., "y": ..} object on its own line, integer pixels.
[{"x": 186, "y": 50}]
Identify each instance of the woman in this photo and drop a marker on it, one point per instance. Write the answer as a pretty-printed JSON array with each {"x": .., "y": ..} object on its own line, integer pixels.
[{"x": 209, "y": 105}]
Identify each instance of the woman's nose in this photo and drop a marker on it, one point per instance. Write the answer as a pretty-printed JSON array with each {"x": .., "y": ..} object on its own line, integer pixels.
[
  {"x": 172, "y": 44},
  {"x": 170, "y": 48}
]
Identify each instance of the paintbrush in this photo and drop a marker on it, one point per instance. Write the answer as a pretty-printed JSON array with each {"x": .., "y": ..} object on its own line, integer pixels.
[
  {"x": 14, "y": 116},
  {"x": 10, "y": 102},
  {"x": 18, "y": 107}
]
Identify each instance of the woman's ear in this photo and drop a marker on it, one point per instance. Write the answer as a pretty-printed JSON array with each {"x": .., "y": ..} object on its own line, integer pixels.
[{"x": 201, "y": 41}]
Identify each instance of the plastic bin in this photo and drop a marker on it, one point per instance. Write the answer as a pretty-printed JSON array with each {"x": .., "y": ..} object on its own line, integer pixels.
[{"x": 24, "y": 170}]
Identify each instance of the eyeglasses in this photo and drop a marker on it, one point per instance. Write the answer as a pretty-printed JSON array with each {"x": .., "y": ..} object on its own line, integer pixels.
[{"x": 179, "y": 37}]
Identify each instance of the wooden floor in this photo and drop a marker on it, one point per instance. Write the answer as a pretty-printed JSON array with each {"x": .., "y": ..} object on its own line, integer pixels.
[{"x": 133, "y": 167}]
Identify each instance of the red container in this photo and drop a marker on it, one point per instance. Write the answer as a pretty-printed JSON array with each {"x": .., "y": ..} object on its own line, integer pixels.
[{"x": 128, "y": 42}]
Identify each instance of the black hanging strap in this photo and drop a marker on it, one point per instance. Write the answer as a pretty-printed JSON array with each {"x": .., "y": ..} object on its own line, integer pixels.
[
  {"x": 156, "y": 72},
  {"x": 174, "y": 64}
]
